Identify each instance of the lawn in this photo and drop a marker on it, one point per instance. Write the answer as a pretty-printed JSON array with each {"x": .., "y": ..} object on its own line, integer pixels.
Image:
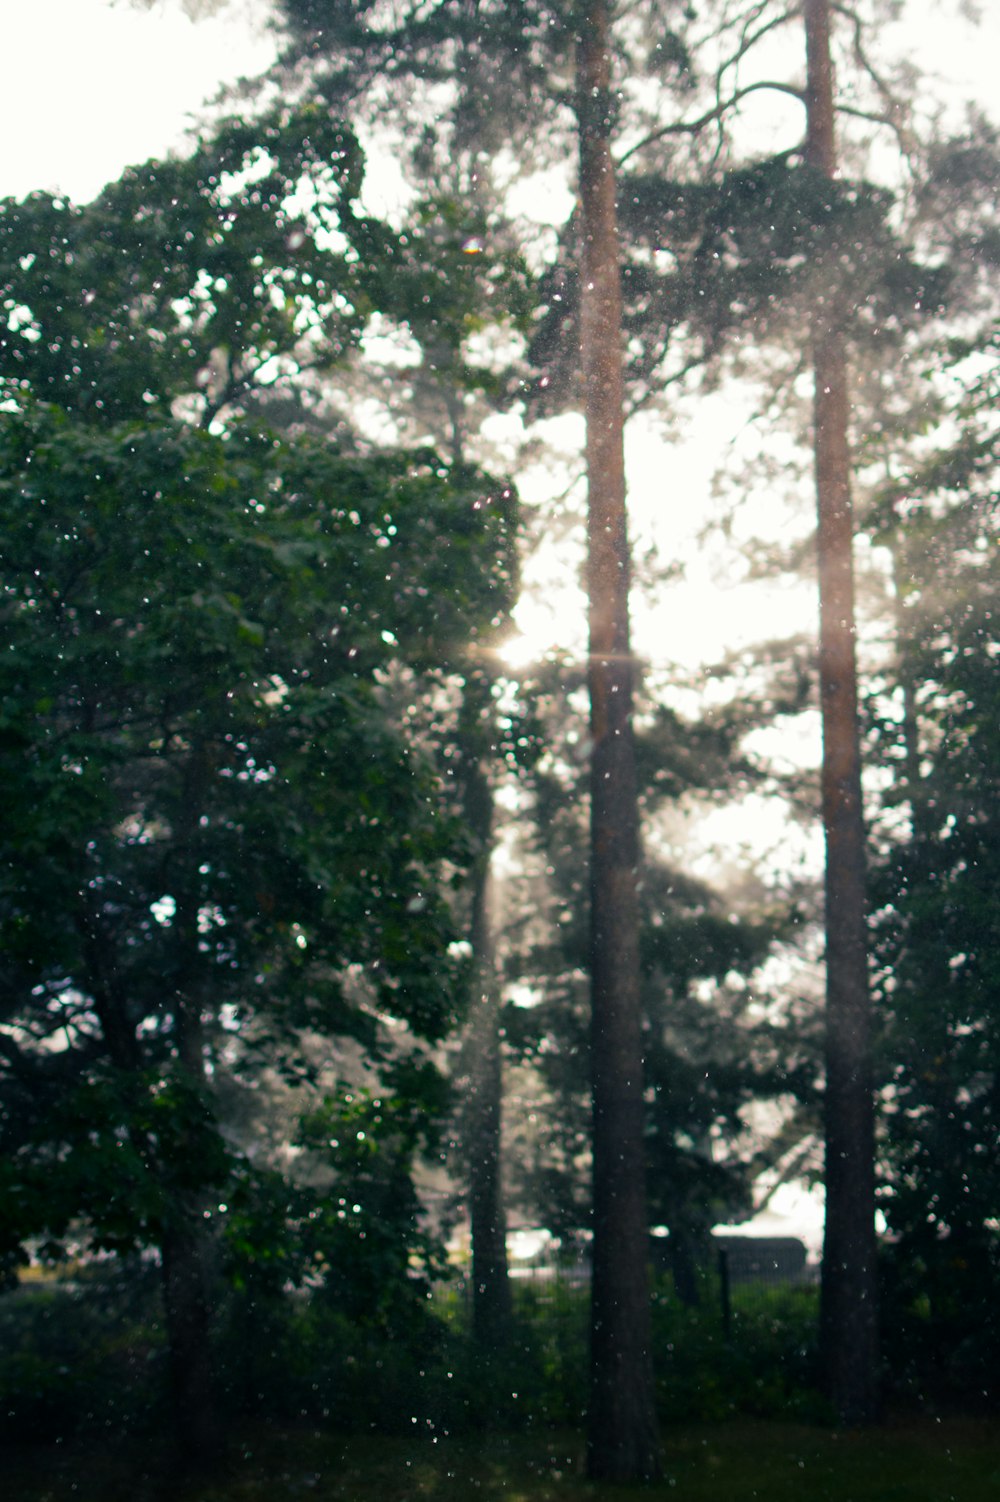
[{"x": 925, "y": 1460}]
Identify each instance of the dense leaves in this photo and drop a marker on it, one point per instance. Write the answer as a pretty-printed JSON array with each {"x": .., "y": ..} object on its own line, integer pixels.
[
  {"x": 937, "y": 932},
  {"x": 732, "y": 258},
  {"x": 236, "y": 278},
  {"x": 213, "y": 823},
  {"x": 203, "y": 277}
]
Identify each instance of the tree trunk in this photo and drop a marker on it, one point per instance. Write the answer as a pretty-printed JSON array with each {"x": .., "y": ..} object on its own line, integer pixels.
[
  {"x": 491, "y": 1303},
  {"x": 848, "y": 1308},
  {"x": 482, "y": 1069},
  {"x": 182, "y": 1251},
  {"x": 622, "y": 1443},
  {"x": 183, "y": 1244}
]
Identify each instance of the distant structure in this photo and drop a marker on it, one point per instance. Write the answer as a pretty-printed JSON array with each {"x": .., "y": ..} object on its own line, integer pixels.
[
  {"x": 763, "y": 1259},
  {"x": 747, "y": 1259}
]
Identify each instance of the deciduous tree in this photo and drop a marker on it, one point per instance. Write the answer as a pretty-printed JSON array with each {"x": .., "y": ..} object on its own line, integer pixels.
[{"x": 216, "y": 833}]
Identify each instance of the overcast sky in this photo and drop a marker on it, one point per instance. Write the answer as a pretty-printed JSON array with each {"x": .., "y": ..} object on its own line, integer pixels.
[{"x": 93, "y": 85}]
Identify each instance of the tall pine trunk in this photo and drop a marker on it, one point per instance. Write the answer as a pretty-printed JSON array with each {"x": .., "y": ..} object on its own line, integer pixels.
[
  {"x": 622, "y": 1442},
  {"x": 848, "y": 1306}
]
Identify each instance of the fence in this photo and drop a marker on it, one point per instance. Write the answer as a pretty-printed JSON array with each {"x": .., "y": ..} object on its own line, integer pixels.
[{"x": 739, "y": 1276}]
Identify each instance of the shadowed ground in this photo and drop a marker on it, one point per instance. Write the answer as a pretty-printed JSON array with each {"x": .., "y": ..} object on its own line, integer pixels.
[{"x": 919, "y": 1460}]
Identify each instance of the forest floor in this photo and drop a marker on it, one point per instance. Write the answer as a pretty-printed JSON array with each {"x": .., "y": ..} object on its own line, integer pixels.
[{"x": 925, "y": 1460}]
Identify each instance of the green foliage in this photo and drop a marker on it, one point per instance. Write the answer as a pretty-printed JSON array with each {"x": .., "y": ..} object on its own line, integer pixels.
[
  {"x": 936, "y": 929},
  {"x": 78, "y": 1354},
  {"x": 200, "y": 277},
  {"x": 367, "y": 1239},
  {"x": 330, "y": 1315},
  {"x": 503, "y": 55},
  {"x": 768, "y": 1365},
  {"x": 452, "y": 279},
  {"x": 81, "y": 1354},
  {"x": 222, "y": 279},
  {"x": 211, "y": 811},
  {"x": 705, "y": 260}
]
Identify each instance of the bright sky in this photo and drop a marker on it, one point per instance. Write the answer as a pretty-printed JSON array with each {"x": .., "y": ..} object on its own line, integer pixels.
[{"x": 91, "y": 86}]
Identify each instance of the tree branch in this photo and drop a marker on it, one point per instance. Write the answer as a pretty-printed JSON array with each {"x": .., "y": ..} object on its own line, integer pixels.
[
  {"x": 692, "y": 127},
  {"x": 896, "y": 111}
]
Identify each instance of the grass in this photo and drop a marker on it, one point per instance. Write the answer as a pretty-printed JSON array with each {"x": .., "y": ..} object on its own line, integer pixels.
[{"x": 928, "y": 1460}]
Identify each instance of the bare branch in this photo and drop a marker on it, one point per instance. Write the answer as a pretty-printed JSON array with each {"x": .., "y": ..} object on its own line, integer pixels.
[
  {"x": 896, "y": 111},
  {"x": 692, "y": 127},
  {"x": 749, "y": 40},
  {"x": 730, "y": 22},
  {"x": 874, "y": 118}
]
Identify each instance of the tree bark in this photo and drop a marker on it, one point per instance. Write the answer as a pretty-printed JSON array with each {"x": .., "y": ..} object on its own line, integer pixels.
[
  {"x": 848, "y": 1306},
  {"x": 483, "y": 1066},
  {"x": 622, "y": 1442},
  {"x": 183, "y": 1241},
  {"x": 491, "y": 1302}
]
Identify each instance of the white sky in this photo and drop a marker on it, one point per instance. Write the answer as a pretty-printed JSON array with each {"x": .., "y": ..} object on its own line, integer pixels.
[{"x": 93, "y": 85}]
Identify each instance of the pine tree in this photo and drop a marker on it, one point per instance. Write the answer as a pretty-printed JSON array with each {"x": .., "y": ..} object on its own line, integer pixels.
[
  {"x": 849, "y": 1314},
  {"x": 621, "y": 1435}
]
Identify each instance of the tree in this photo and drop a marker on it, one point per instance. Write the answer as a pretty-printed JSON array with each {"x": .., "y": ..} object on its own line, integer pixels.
[
  {"x": 933, "y": 726},
  {"x": 622, "y": 1440},
  {"x": 478, "y": 1070},
  {"x": 513, "y": 47},
  {"x": 480, "y": 1078},
  {"x": 707, "y": 1057},
  {"x": 849, "y": 1312},
  {"x": 194, "y": 280},
  {"x": 507, "y": 48},
  {"x": 196, "y": 856},
  {"x": 238, "y": 279}
]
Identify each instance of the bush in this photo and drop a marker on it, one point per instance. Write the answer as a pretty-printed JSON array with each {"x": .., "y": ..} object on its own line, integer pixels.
[
  {"x": 941, "y": 1325},
  {"x": 82, "y": 1354},
  {"x": 91, "y": 1353},
  {"x": 767, "y": 1365}
]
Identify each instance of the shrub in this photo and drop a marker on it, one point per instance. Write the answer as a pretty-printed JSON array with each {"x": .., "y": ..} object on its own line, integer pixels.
[{"x": 87, "y": 1353}]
